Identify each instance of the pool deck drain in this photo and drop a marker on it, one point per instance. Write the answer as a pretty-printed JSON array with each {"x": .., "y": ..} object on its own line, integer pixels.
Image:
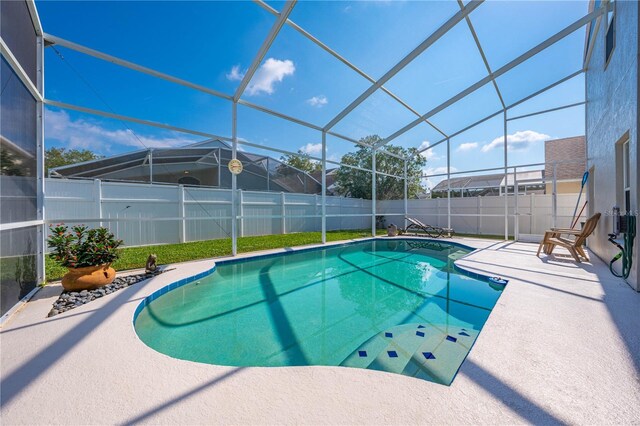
[{"x": 562, "y": 345}]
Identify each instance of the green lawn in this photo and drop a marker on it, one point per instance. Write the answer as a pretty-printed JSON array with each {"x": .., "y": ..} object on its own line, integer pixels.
[{"x": 136, "y": 257}]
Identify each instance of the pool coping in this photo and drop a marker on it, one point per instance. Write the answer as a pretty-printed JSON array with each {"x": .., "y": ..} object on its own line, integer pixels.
[{"x": 505, "y": 379}]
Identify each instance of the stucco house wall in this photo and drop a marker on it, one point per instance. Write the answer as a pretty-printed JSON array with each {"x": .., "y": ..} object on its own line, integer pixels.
[{"x": 611, "y": 113}]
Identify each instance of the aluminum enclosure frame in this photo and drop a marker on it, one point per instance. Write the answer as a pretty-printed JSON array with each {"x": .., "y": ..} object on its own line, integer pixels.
[{"x": 282, "y": 18}]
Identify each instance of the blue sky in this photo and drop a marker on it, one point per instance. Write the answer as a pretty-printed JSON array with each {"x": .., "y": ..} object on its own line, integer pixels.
[{"x": 213, "y": 43}]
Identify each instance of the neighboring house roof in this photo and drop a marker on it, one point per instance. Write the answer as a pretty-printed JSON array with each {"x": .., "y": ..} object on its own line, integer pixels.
[
  {"x": 471, "y": 182},
  {"x": 204, "y": 154},
  {"x": 190, "y": 153},
  {"x": 495, "y": 180},
  {"x": 568, "y": 153},
  {"x": 331, "y": 178}
]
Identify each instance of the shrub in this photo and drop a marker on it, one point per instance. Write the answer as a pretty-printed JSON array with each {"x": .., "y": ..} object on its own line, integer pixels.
[{"x": 81, "y": 246}]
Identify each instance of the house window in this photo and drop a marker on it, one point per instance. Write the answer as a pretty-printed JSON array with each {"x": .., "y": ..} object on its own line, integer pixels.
[{"x": 610, "y": 32}]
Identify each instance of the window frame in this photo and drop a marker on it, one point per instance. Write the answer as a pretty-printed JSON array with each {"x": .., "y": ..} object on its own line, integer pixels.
[{"x": 610, "y": 24}]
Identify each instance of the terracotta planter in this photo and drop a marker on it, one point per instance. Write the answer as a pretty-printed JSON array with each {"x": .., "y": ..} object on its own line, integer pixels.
[{"x": 88, "y": 277}]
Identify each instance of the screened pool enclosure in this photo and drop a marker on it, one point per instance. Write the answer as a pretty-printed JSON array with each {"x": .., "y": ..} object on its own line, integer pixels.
[{"x": 408, "y": 110}]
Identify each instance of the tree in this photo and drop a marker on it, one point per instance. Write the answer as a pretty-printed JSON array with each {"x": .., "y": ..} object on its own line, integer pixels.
[
  {"x": 301, "y": 161},
  {"x": 357, "y": 183},
  {"x": 9, "y": 166},
  {"x": 57, "y": 157}
]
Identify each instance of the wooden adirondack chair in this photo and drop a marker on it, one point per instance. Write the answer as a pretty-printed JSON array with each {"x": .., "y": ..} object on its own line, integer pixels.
[{"x": 556, "y": 237}]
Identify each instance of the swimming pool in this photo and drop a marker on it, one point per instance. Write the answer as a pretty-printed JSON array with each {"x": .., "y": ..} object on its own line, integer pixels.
[{"x": 392, "y": 305}]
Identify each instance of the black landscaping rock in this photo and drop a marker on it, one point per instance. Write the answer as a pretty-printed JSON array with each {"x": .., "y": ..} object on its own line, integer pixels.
[{"x": 73, "y": 299}]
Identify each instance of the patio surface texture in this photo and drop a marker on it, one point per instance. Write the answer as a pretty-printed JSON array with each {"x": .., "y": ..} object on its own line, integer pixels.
[{"x": 562, "y": 345}]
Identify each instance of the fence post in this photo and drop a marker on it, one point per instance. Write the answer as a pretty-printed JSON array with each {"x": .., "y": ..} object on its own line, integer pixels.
[
  {"x": 478, "y": 214},
  {"x": 448, "y": 186},
  {"x": 241, "y": 210},
  {"x": 283, "y": 210},
  {"x": 554, "y": 200},
  {"x": 181, "y": 213},
  {"x": 374, "y": 178},
  {"x": 315, "y": 211},
  {"x": 97, "y": 197},
  {"x": 516, "y": 218},
  {"x": 532, "y": 221},
  {"x": 324, "y": 188},
  {"x": 406, "y": 196}
]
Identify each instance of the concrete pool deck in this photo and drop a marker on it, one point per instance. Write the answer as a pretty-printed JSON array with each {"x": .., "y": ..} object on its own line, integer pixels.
[{"x": 562, "y": 345}]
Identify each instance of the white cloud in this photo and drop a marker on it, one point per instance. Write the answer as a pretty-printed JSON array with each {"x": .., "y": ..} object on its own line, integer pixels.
[
  {"x": 235, "y": 74},
  {"x": 272, "y": 71},
  {"x": 467, "y": 146},
  {"x": 84, "y": 134},
  {"x": 318, "y": 101},
  {"x": 517, "y": 141},
  {"x": 312, "y": 148},
  {"x": 429, "y": 154}
]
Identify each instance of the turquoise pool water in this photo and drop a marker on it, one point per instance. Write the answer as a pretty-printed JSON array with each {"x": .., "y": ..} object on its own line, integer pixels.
[{"x": 392, "y": 305}]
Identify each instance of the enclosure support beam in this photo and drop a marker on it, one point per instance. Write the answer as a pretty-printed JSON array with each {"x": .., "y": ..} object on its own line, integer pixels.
[
  {"x": 373, "y": 193},
  {"x": 339, "y": 57},
  {"x": 506, "y": 176},
  {"x": 40, "y": 204},
  {"x": 448, "y": 184},
  {"x": 127, "y": 64},
  {"x": 51, "y": 39},
  {"x": 488, "y": 117},
  {"x": 64, "y": 105},
  {"x": 435, "y": 36},
  {"x": 554, "y": 198},
  {"x": 151, "y": 165},
  {"x": 406, "y": 196},
  {"x": 266, "y": 45},
  {"x": 594, "y": 36},
  {"x": 197, "y": 133},
  {"x": 324, "y": 187},
  {"x": 520, "y": 59},
  {"x": 234, "y": 181},
  {"x": 547, "y": 110},
  {"x": 19, "y": 71},
  {"x": 516, "y": 218},
  {"x": 481, "y": 51}
]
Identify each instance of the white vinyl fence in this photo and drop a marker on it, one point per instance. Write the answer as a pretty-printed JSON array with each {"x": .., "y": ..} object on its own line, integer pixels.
[
  {"x": 145, "y": 214},
  {"x": 485, "y": 215}
]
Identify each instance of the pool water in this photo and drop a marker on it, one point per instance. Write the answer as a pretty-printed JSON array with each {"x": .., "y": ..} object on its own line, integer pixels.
[{"x": 392, "y": 305}]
